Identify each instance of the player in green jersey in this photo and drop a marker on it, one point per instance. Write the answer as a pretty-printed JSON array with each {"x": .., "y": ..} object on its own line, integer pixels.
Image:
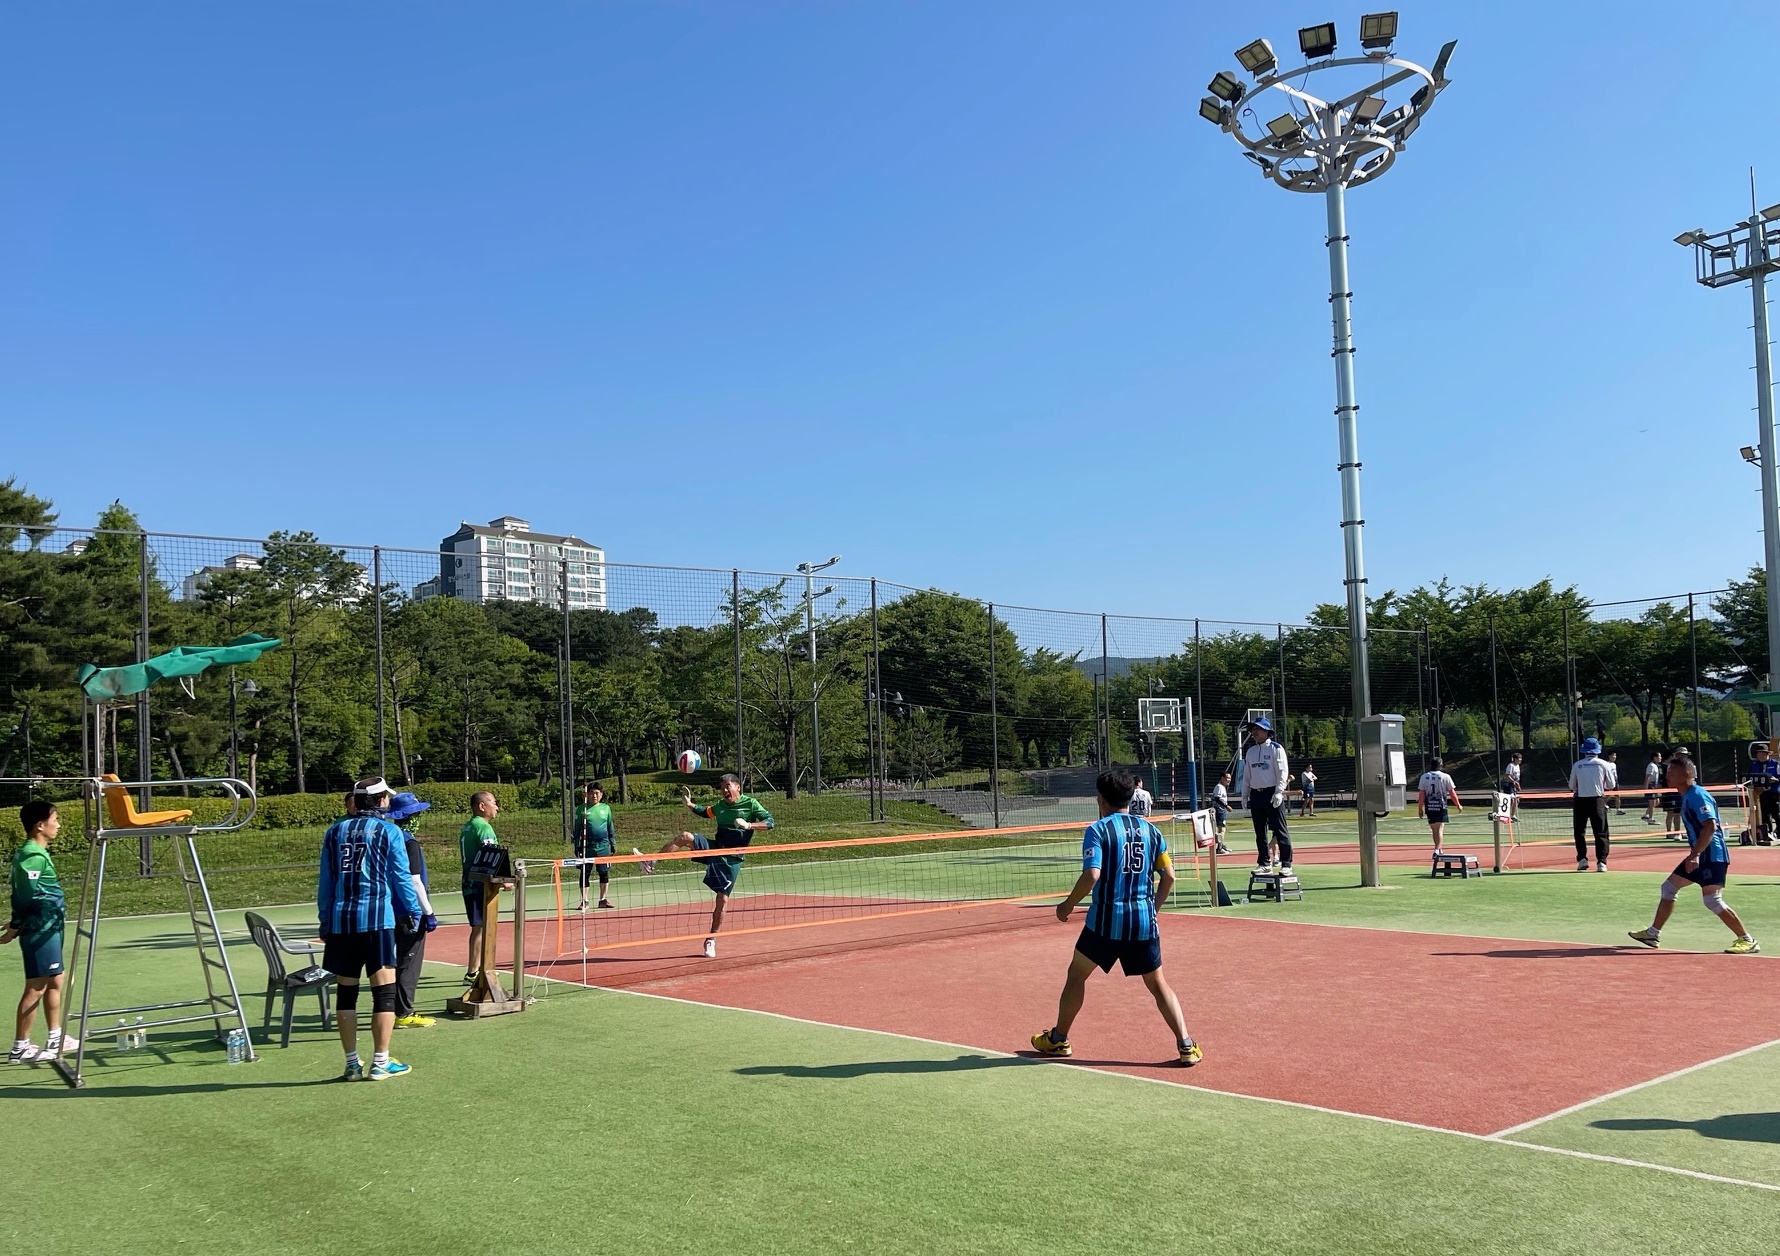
[
  {"x": 38, "y": 913},
  {"x": 738, "y": 815},
  {"x": 594, "y": 835}
]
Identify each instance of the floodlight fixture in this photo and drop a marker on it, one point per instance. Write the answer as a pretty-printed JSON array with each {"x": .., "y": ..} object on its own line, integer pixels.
[
  {"x": 1284, "y": 128},
  {"x": 1749, "y": 455},
  {"x": 1770, "y": 213},
  {"x": 1212, "y": 110},
  {"x": 1378, "y": 30},
  {"x": 1257, "y": 58},
  {"x": 1441, "y": 61},
  {"x": 1369, "y": 109},
  {"x": 1226, "y": 87},
  {"x": 1317, "y": 42},
  {"x": 1687, "y": 239}
]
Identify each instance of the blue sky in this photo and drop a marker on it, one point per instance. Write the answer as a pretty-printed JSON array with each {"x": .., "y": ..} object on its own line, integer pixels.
[{"x": 965, "y": 292}]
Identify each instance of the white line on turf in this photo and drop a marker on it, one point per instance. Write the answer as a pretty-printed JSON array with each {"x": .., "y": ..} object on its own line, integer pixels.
[
  {"x": 1503, "y": 1135},
  {"x": 1635, "y": 1164}
]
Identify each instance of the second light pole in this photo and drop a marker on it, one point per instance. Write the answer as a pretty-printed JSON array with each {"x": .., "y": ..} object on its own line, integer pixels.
[{"x": 808, "y": 571}]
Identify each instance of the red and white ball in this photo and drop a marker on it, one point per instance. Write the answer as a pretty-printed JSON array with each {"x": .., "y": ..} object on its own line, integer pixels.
[{"x": 689, "y": 761}]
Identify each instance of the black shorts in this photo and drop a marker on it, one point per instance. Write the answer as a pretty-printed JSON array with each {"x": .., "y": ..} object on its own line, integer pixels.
[
  {"x": 473, "y": 905},
  {"x": 1706, "y": 872},
  {"x": 1136, "y": 956},
  {"x": 1436, "y": 815},
  {"x": 349, "y": 954}
]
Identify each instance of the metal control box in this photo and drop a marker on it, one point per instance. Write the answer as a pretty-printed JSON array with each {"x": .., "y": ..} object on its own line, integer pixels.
[{"x": 1384, "y": 773}]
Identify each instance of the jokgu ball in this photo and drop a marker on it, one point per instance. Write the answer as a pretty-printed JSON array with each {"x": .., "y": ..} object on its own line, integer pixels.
[{"x": 689, "y": 761}]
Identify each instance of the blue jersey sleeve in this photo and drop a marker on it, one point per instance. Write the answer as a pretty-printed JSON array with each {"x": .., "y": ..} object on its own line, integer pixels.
[
  {"x": 324, "y": 885},
  {"x": 1092, "y": 854}
]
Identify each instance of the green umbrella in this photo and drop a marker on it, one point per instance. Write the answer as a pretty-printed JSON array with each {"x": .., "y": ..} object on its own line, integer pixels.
[{"x": 185, "y": 660}]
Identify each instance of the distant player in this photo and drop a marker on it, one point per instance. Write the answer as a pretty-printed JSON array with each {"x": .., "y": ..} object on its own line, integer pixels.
[
  {"x": 1511, "y": 784},
  {"x": 478, "y": 832},
  {"x": 1592, "y": 779},
  {"x": 1764, "y": 781},
  {"x": 738, "y": 816},
  {"x": 1672, "y": 826},
  {"x": 1653, "y": 782},
  {"x": 594, "y": 835},
  {"x": 1122, "y": 856},
  {"x": 1307, "y": 796},
  {"x": 1707, "y": 864},
  {"x": 1434, "y": 793},
  {"x": 1220, "y": 809},
  {"x": 1142, "y": 803},
  {"x": 37, "y": 921},
  {"x": 1611, "y": 758}
]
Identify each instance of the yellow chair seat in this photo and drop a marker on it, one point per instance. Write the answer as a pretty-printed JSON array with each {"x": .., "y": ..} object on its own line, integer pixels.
[{"x": 124, "y": 815}]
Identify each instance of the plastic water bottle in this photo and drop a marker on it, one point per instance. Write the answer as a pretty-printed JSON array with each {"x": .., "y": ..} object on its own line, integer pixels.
[
  {"x": 141, "y": 1035},
  {"x": 236, "y": 1053},
  {"x": 123, "y": 1035}
]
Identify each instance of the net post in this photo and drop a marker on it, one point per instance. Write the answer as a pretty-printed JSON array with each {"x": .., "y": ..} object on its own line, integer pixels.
[
  {"x": 519, "y": 891},
  {"x": 556, "y": 879},
  {"x": 994, "y": 730}
]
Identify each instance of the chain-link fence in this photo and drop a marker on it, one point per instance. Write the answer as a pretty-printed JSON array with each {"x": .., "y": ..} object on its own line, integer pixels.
[{"x": 525, "y": 664}]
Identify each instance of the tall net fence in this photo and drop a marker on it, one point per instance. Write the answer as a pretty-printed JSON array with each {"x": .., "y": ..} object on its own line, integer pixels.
[{"x": 523, "y": 665}]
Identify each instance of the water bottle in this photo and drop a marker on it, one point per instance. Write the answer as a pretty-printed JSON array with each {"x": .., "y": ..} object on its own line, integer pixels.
[
  {"x": 236, "y": 1054},
  {"x": 123, "y": 1035},
  {"x": 141, "y": 1035}
]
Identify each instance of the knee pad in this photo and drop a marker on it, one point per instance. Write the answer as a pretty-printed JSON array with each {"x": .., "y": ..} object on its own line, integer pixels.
[
  {"x": 1667, "y": 892},
  {"x": 383, "y": 998},
  {"x": 346, "y": 1000},
  {"x": 1714, "y": 902}
]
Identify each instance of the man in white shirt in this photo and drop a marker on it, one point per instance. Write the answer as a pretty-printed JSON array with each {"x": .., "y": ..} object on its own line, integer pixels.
[
  {"x": 1307, "y": 786},
  {"x": 1433, "y": 794},
  {"x": 1592, "y": 778},
  {"x": 1264, "y": 777},
  {"x": 1220, "y": 809},
  {"x": 1141, "y": 800},
  {"x": 1653, "y": 781}
]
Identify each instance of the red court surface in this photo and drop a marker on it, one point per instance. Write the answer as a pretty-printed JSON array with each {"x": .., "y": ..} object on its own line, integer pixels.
[{"x": 1467, "y": 1034}]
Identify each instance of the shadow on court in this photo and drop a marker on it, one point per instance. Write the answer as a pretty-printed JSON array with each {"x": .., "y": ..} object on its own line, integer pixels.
[
  {"x": 1549, "y": 952},
  {"x": 1737, "y": 1127},
  {"x": 59, "y": 1091},
  {"x": 868, "y": 1068}
]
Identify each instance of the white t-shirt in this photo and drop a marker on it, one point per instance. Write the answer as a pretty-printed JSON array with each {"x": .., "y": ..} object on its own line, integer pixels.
[
  {"x": 1437, "y": 789},
  {"x": 1592, "y": 778},
  {"x": 1653, "y": 776},
  {"x": 1141, "y": 801}
]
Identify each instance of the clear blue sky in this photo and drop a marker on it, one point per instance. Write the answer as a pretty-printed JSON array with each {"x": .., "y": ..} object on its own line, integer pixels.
[{"x": 963, "y": 291}]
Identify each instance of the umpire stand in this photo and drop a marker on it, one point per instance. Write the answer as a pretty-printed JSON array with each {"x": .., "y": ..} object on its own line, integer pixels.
[
  {"x": 487, "y": 997},
  {"x": 108, "y": 800}
]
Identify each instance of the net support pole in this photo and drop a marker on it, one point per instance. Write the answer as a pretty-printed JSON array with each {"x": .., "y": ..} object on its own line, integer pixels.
[
  {"x": 565, "y": 699},
  {"x": 994, "y": 729},
  {"x": 877, "y": 751},
  {"x": 145, "y": 851},
  {"x": 1495, "y": 703},
  {"x": 1199, "y": 693},
  {"x": 1105, "y": 702},
  {"x": 1279, "y": 636},
  {"x": 377, "y": 634},
  {"x": 735, "y": 616}
]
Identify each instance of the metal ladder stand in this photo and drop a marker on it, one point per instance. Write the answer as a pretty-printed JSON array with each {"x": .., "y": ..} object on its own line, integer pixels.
[{"x": 222, "y": 999}]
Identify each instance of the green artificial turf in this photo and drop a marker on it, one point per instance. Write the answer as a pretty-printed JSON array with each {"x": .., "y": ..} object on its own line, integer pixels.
[{"x": 620, "y": 1123}]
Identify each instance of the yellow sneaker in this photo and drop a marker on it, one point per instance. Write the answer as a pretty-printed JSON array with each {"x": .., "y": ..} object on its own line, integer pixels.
[
  {"x": 1044, "y": 1044},
  {"x": 1190, "y": 1053},
  {"x": 1649, "y": 937},
  {"x": 415, "y": 1021},
  {"x": 1743, "y": 946}
]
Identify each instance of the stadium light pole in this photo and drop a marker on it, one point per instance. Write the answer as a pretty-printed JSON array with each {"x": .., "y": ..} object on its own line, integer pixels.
[
  {"x": 810, "y": 595},
  {"x": 1751, "y": 251},
  {"x": 1329, "y": 146}
]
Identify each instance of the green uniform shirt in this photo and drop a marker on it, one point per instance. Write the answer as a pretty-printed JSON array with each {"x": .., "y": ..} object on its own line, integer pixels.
[
  {"x": 38, "y": 906},
  {"x": 593, "y": 823},
  {"x": 478, "y": 832},
  {"x": 747, "y": 807}
]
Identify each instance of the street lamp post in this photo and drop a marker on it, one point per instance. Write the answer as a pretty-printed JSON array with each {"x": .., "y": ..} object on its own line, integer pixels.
[
  {"x": 1751, "y": 250},
  {"x": 810, "y": 595},
  {"x": 249, "y": 688},
  {"x": 1328, "y": 146}
]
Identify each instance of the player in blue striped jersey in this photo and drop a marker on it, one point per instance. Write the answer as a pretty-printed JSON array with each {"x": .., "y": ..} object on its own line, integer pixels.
[
  {"x": 365, "y": 883},
  {"x": 1122, "y": 857}
]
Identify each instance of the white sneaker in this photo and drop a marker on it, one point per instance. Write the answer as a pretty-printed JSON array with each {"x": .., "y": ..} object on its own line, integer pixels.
[
  {"x": 647, "y": 867},
  {"x": 1582, "y": 865},
  {"x": 30, "y": 1053},
  {"x": 1286, "y": 871},
  {"x": 70, "y": 1045},
  {"x": 1602, "y": 866},
  {"x": 710, "y": 948},
  {"x": 1263, "y": 870}
]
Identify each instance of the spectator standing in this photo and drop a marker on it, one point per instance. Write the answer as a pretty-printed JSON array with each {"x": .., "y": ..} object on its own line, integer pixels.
[
  {"x": 1612, "y": 761},
  {"x": 1592, "y": 779},
  {"x": 1220, "y": 809},
  {"x": 1764, "y": 781},
  {"x": 1307, "y": 783},
  {"x": 1511, "y": 784},
  {"x": 1653, "y": 783},
  {"x": 1672, "y": 824},
  {"x": 364, "y": 887},
  {"x": 404, "y": 810},
  {"x": 1264, "y": 777},
  {"x": 478, "y": 832}
]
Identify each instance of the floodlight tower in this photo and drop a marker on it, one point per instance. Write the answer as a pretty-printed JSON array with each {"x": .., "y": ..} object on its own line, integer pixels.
[
  {"x": 1751, "y": 250},
  {"x": 810, "y": 594},
  {"x": 1329, "y": 146}
]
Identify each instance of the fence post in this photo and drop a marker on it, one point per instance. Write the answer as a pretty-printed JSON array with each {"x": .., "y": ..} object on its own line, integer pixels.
[
  {"x": 1279, "y": 635},
  {"x": 145, "y": 852},
  {"x": 1199, "y": 705},
  {"x": 565, "y": 708},
  {"x": 735, "y": 616},
  {"x": 1693, "y": 656},
  {"x": 1570, "y": 711},
  {"x": 994, "y": 729},
  {"x": 876, "y": 750},
  {"x": 377, "y": 628},
  {"x": 1495, "y": 702},
  {"x": 1105, "y": 730}
]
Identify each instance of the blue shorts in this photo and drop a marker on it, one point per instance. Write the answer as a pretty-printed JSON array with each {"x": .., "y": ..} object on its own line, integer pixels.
[
  {"x": 721, "y": 871},
  {"x": 43, "y": 954},
  {"x": 473, "y": 905},
  {"x": 1136, "y": 956},
  {"x": 349, "y": 954},
  {"x": 1706, "y": 872}
]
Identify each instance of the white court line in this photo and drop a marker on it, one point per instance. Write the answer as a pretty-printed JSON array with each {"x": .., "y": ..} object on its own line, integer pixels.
[
  {"x": 1496, "y": 1139},
  {"x": 1632, "y": 1089}
]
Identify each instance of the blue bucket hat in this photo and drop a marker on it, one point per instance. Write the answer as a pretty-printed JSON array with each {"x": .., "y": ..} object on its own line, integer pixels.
[
  {"x": 405, "y": 806},
  {"x": 1262, "y": 723},
  {"x": 1590, "y": 746}
]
